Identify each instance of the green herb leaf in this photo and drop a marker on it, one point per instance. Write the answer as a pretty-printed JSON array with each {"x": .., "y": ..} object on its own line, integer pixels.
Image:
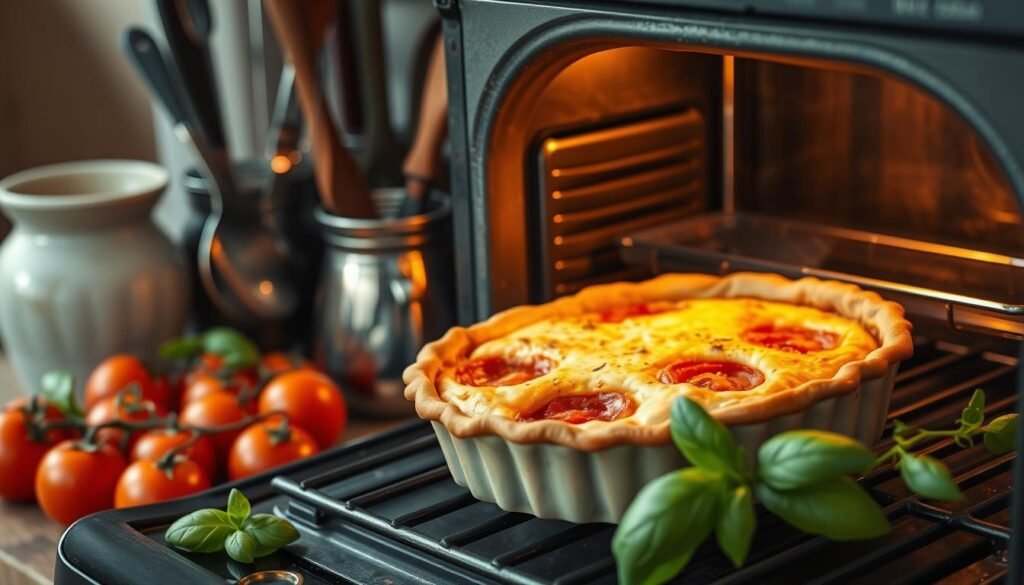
[
  {"x": 665, "y": 523},
  {"x": 236, "y": 349},
  {"x": 58, "y": 387},
  {"x": 705, "y": 442},
  {"x": 201, "y": 531},
  {"x": 928, "y": 477},
  {"x": 798, "y": 459},
  {"x": 270, "y": 533},
  {"x": 240, "y": 547},
  {"x": 238, "y": 508},
  {"x": 899, "y": 428},
  {"x": 838, "y": 509},
  {"x": 736, "y": 523},
  {"x": 1001, "y": 434},
  {"x": 974, "y": 413},
  {"x": 181, "y": 348}
]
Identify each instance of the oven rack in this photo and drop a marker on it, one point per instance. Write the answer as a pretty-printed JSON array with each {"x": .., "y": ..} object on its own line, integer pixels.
[
  {"x": 405, "y": 494},
  {"x": 968, "y": 289}
]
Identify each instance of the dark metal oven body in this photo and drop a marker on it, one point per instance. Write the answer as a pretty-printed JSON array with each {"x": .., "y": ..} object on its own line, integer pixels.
[{"x": 875, "y": 142}]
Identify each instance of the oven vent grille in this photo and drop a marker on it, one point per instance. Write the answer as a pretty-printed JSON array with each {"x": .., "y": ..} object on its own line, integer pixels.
[{"x": 599, "y": 184}]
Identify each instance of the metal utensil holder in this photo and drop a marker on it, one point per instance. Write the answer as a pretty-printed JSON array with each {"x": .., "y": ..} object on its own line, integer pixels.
[{"x": 386, "y": 287}]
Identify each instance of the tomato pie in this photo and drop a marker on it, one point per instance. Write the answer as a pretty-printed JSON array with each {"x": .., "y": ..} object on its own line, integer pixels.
[{"x": 595, "y": 374}]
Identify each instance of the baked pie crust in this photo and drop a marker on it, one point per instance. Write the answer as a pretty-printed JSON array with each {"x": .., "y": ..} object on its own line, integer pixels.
[{"x": 593, "y": 343}]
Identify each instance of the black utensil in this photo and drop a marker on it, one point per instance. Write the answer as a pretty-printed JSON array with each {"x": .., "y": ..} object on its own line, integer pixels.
[{"x": 187, "y": 25}]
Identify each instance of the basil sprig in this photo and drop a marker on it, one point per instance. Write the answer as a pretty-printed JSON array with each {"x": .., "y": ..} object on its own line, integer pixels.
[
  {"x": 242, "y": 536},
  {"x": 237, "y": 350},
  {"x": 804, "y": 477}
]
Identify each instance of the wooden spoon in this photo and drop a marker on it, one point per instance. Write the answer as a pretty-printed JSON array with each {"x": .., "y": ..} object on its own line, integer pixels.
[
  {"x": 421, "y": 162},
  {"x": 301, "y": 27}
]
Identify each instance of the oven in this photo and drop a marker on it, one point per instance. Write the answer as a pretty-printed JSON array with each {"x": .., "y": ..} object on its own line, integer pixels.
[{"x": 868, "y": 141}]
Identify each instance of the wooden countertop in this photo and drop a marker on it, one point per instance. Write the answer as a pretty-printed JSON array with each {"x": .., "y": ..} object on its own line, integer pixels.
[{"x": 28, "y": 539}]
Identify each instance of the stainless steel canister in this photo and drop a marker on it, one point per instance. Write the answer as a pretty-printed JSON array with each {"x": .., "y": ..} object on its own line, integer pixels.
[{"x": 385, "y": 289}]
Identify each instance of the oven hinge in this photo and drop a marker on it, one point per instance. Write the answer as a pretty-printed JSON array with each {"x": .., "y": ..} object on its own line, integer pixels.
[{"x": 447, "y": 8}]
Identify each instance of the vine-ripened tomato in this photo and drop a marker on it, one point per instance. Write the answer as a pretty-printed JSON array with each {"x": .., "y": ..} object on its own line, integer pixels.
[
  {"x": 108, "y": 410},
  {"x": 73, "y": 481},
  {"x": 279, "y": 362},
  {"x": 144, "y": 482},
  {"x": 19, "y": 454},
  {"x": 118, "y": 372},
  {"x": 216, "y": 409},
  {"x": 256, "y": 450},
  {"x": 202, "y": 385},
  {"x": 312, "y": 401},
  {"x": 156, "y": 443}
]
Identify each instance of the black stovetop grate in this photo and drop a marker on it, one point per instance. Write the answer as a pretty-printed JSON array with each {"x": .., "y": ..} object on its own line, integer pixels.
[{"x": 405, "y": 494}]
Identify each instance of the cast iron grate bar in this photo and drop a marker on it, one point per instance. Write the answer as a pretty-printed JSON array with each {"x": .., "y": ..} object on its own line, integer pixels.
[
  {"x": 434, "y": 510},
  {"x": 546, "y": 545},
  {"x": 368, "y": 462},
  {"x": 398, "y": 487},
  {"x": 588, "y": 573},
  {"x": 483, "y": 529},
  {"x": 962, "y": 521},
  {"x": 976, "y": 382}
]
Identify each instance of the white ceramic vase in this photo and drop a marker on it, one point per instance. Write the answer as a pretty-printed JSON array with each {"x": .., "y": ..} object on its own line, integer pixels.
[{"x": 85, "y": 273}]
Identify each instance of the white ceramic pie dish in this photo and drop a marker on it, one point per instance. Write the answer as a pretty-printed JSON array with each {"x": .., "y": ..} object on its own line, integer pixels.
[{"x": 553, "y": 469}]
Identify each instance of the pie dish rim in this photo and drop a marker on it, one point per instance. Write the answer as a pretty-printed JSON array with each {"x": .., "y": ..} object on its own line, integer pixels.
[{"x": 883, "y": 319}]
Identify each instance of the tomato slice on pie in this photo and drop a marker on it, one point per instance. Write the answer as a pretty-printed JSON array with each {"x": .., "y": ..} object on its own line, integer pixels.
[
  {"x": 581, "y": 408},
  {"x": 791, "y": 338},
  {"x": 716, "y": 375},
  {"x": 620, "y": 314},
  {"x": 498, "y": 371}
]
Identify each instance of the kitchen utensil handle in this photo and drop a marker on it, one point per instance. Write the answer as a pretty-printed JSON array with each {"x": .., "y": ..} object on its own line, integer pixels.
[
  {"x": 144, "y": 53},
  {"x": 299, "y": 27},
  {"x": 422, "y": 161},
  {"x": 188, "y": 44}
]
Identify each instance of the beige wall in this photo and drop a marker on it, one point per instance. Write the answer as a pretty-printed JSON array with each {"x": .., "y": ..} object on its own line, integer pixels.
[{"x": 66, "y": 90}]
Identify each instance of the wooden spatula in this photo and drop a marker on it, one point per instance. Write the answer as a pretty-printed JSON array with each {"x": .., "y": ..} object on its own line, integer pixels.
[
  {"x": 421, "y": 163},
  {"x": 301, "y": 27}
]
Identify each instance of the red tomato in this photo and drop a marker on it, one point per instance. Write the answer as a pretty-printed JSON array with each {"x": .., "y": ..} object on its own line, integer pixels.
[
  {"x": 278, "y": 362},
  {"x": 19, "y": 454},
  {"x": 255, "y": 450},
  {"x": 107, "y": 410},
  {"x": 214, "y": 410},
  {"x": 715, "y": 375},
  {"x": 118, "y": 372},
  {"x": 72, "y": 482},
  {"x": 203, "y": 385},
  {"x": 580, "y": 408},
  {"x": 157, "y": 442},
  {"x": 144, "y": 482},
  {"x": 312, "y": 402}
]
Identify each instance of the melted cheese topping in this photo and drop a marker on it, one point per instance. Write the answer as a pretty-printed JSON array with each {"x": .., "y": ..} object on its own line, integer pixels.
[{"x": 589, "y": 354}]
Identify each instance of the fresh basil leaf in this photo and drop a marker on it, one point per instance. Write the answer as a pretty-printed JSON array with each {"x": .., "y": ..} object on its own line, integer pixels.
[
  {"x": 270, "y": 533},
  {"x": 705, "y": 442},
  {"x": 838, "y": 509},
  {"x": 202, "y": 531},
  {"x": 240, "y": 547},
  {"x": 58, "y": 387},
  {"x": 974, "y": 413},
  {"x": 736, "y": 523},
  {"x": 1001, "y": 434},
  {"x": 666, "y": 522},
  {"x": 928, "y": 477},
  {"x": 798, "y": 459},
  {"x": 238, "y": 508},
  {"x": 236, "y": 349},
  {"x": 181, "y": 348}
]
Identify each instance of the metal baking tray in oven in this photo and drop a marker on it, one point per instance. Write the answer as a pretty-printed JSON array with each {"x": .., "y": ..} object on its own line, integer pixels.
[{"x": 970, "y": 289}]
